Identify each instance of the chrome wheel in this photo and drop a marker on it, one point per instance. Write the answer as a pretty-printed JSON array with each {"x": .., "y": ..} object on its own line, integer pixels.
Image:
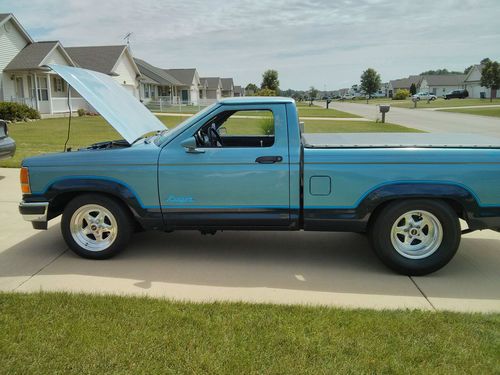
[
  {"x": 93, "y": 227},
  {"x": 416, "y": 234}
]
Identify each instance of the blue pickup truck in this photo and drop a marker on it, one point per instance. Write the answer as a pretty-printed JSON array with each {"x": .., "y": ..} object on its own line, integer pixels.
[{"x": 246, "y": 164}]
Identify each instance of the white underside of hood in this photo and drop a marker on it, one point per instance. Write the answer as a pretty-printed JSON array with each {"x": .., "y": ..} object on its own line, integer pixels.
[{"x": 121, "y": 109}]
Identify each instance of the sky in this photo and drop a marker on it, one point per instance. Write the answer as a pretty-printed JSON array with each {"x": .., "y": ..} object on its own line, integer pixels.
[{"x": 323, "y": 43}]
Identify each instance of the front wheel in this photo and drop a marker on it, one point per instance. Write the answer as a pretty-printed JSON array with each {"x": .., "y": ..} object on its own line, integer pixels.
[
  {"x": 416, "y": 237},
  {"x": 96, "y": 226}
]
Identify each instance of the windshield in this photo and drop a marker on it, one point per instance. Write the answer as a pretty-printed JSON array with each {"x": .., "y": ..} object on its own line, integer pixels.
[{"x": 185, "y": 124}]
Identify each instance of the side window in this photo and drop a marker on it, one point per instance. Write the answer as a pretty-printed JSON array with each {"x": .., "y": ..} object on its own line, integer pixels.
[{"x": 253, "y": 128}]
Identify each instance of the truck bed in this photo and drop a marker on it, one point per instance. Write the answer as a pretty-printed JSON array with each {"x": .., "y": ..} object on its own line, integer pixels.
[{"x": 398, "y": 140}]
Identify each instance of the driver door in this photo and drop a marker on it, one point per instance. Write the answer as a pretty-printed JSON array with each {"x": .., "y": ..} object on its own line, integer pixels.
[{"x": 243, "y": 183}]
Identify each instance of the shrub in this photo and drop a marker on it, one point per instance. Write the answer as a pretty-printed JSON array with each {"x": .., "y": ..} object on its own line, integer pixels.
[
  {"x": 81, "y": 112},
  {"x": 267, "y": 125},
  {"x": 401, "y": 94},
  {"x": 17, "y": 112}
]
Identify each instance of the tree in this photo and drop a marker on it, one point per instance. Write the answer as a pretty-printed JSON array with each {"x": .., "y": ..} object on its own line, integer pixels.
[
  {"x": 485, "y": 61},
  {"x": 266, "y": 92},
  {"x": 370, "y": 82},
  {"x": 270, "y": 80},
  {"x": 251, "y": 89},
  {"x": 413, "y": 89},
  {"x": 313, "y": 93},
  {"x": 490, "y": 77},
  {"x": 468, "y": 69}
]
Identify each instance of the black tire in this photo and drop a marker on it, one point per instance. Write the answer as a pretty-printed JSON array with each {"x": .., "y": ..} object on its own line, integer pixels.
[
  {"x": 122, "y": 220},
  {"x": 381, "y": 229}
]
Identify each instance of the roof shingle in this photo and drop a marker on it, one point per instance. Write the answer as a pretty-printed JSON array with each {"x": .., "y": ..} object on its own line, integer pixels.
[
  {"x": 157, "y": 74},
  {"x": 31, "y": 56},
  {"x": 227, "y": 83},
  {"x": 98, "y": 58},
  {"x": 186, "y": 76},
  {"x": 212, "y": 83}
]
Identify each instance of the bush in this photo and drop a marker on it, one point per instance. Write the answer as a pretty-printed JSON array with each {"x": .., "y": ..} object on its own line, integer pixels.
[
  {"x": 267, "y": 125},
  {"x": 401, "y": 94},
  {"x": 17, "y": 112},
  {"x": 81, "y": 112}
]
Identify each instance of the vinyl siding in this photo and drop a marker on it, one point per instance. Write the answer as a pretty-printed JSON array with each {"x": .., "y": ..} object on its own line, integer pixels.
[
  {"x": 56, "y": 57},
  {"x": 11, "y": 43},
  {"x": 127, "y": 74}
]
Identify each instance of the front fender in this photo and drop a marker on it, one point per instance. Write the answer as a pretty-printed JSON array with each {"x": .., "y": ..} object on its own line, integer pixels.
[{"x": 60, "y": 192}]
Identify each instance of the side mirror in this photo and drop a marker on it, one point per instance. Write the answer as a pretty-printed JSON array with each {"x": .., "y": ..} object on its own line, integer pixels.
[{"x": 190, "y": 145}]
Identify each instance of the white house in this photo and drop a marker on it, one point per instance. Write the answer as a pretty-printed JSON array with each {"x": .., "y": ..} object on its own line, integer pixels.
[
  {"x": 472, "y": 83},
  {"x": 116, "y": 61},
  {"x": 190, "y": 90},
  {"x": 13, "y": 38},
  {"x": 440, "y": 84},
  {"x": 25, "y": 78}
]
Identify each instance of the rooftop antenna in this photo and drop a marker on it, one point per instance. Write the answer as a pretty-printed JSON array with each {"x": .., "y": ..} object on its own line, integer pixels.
[{"x": 127, "y": 38}]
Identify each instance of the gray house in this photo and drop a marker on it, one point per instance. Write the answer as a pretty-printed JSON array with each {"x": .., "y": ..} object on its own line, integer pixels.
[
  {"x": 239, "y": 91},
  {"x": 156, "y": 83},
  {"x": 404, "y": 83},
  {"x": 227, "y": 87},
  {"x": 190, "y": 90},
  {"x": 213, "y": 87}
]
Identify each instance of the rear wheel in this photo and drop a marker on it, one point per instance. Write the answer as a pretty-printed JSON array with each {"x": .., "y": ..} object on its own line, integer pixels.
[
  {"x": 416, "y": 237},
  {"x": 96, "y": 226}
]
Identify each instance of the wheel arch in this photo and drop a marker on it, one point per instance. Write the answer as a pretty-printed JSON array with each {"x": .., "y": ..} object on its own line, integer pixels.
[
  {"x": 61, "y": 192},
  {"x": 458, "y": 197}
]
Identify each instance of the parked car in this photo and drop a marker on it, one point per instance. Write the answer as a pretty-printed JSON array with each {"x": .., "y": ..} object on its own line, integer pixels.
[
  {"x": 348, "y": 97},
  {"x": 456, "y": 94},
  {"x": 7, "y": 144},
  {"x": 424, "y": 96},
  {"x": 407, "y": 191}
]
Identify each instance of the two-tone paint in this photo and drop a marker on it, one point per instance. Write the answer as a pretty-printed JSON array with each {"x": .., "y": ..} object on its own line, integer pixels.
[{"x": 328, "y": 189}]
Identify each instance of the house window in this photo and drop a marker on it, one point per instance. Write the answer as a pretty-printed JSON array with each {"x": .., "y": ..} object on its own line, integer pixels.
[
  {"x": 43, "y": 92},
  {"x": 146, "y": 90},
  {"x": 58, "y": 84}
]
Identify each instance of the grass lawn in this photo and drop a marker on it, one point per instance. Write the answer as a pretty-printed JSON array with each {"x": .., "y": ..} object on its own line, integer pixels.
[
  {"x": 304, "y": 111},
  {"x": 49, "y": 333},
  {"x": 438, "y": 103},
  {"x": 320, "y": 126},
  {"x": 43, "y": 136},
  {"x": 493, "y": 112}
]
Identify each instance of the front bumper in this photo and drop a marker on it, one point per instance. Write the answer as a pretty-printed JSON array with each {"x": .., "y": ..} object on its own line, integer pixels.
[
  {"x": 36, "y": 212},
  {"x": 7, "y": 148}
]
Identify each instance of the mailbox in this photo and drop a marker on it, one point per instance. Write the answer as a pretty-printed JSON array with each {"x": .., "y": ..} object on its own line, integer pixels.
[{"x": 384, "y": 109}]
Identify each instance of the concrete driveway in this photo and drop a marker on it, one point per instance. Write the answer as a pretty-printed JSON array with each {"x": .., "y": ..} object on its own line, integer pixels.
[
  {"x": 336, "y": 269},
  {"x": 429, "y": 121}
]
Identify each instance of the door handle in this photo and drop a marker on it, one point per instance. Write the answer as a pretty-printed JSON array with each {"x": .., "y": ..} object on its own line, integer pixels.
[{"x": 268, "y": 159}]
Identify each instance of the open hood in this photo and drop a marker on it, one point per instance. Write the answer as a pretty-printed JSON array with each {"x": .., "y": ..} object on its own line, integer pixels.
[{"x": 122, "y": 110}]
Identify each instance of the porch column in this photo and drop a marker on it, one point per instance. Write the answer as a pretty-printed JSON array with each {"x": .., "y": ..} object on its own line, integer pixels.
[
  {"x": 36, "y": 92},
  {"x": 49, "y": 93}
]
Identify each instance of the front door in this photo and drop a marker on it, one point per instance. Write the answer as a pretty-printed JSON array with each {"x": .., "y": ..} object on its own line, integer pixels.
[
  {"x": 185, "y": 96},
  {"x": 237, "y": 177}
]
